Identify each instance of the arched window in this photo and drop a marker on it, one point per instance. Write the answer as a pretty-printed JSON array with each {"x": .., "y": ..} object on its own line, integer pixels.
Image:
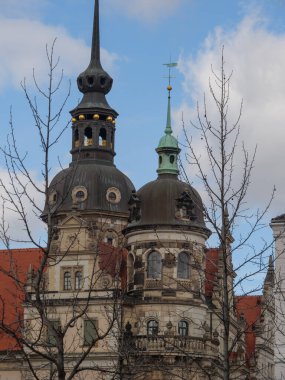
[
  {"x": 183, "y": 265},
  {"x": 76, "y": 138},
  {"x": 78, "y": 280},
  {"x": 88, "y": 136},
  {"x": 152, "y": 327},
  {"x": 154, "y": 265},
  {"x": 183, "y": 328},
  {"x": 67, "y": 281},
  {"x": 103, "y": 137}
]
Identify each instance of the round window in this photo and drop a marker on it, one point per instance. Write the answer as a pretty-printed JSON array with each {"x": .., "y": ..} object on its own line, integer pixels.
[
  {"x": 79, "y": 194},
  {"x": 113, "y": 195}
]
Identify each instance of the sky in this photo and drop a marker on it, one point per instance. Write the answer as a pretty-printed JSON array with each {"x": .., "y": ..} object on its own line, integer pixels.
[{"x": 137, "y": 38}]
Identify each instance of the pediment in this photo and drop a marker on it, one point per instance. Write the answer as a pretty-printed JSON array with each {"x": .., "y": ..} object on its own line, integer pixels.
[{"x": 73, "y": 221}]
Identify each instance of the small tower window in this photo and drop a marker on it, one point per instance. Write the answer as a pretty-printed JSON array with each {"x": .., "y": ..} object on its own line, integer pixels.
[
  {"x": 67, "y": 281},
  {"x": 78, "y": 280},
  {"x": 90, "y": 81},
  {"x": 76, "y": 138},
  {"x": 183, "y": 328},
  {"x": 154, "y": 265},
  {"x": 160, "y": 160},
  {"x": 152, "y": 327},
  {"x": 103, "y": 137},
  {"x": 172, "y": 159},
  {"x": 88, "y": 136},
  {"x": 183, "y": 267}
]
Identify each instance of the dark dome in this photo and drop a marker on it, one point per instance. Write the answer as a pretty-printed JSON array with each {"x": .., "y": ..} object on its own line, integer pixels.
[
  {"x": 90, "y": 187},
  {"x": 168, "y": 201}
]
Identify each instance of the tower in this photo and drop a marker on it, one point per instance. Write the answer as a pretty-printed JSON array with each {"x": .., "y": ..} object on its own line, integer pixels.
[
  {"x": 165, "y": 313},
  {"x": 86, "y": 210}
]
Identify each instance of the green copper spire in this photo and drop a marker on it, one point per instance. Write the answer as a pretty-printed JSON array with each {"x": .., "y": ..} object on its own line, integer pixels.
[
  {"x": 168, "y": 129},
  {"x": 168, "y": 149}
]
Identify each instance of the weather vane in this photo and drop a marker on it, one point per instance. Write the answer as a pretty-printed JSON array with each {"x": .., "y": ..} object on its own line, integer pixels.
[{"x": 170, "y": 65}]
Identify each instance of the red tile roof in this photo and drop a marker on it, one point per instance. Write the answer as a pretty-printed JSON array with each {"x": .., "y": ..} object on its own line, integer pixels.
[
  {"x": 212, "y": 261},
  {"x": 14, "y": 268},
  {"x": 114, "y": 260},
  {"x": 249, "y": 308}
]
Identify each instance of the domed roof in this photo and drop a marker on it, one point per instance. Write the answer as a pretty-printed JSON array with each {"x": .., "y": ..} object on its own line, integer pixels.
[
  {"x": 168, "y": 141},
  {"x": 167, "y": 201},
  {"x": 90, "y": 188}
]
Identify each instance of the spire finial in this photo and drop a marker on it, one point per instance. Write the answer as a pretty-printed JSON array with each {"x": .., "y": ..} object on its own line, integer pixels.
[
  {"x": 170, "y": 65},
  {"x": 95, "y": 51}
]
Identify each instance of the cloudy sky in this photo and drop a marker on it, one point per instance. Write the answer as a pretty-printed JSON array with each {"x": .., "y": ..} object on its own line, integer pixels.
[{"x": 137, "y": 37}]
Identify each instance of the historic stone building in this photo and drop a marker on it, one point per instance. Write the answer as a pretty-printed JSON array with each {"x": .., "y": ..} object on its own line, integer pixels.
[
  {"x": 278, "y": 227},
  {"x": 127, "y": 289}
]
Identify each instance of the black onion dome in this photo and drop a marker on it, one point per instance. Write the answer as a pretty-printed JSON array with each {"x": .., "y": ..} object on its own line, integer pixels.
[
  {"x": 168, "y": 202},
  {"x": 89, "y": 188}
]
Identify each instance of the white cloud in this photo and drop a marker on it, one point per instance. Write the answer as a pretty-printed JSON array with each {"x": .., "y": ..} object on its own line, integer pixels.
[
  {"x": 146, "y": 10},
  {"x": 22, "y": 45},
  {"x": 16, "y": 8},
  {"x": 257, "y": 57},
  {"x": 11, "y": 219}
]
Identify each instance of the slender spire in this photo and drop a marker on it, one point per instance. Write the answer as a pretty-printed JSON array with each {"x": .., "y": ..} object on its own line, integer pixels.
[
  {"x": 95, "y": 82},
  {"x": 95, "y": 51},
  {"x": 168, "y": 129},
  {"x": 168, "y": 149}
]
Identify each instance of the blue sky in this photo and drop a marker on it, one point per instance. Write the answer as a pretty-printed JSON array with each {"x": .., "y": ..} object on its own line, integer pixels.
[{"x": 137, "y": 37}]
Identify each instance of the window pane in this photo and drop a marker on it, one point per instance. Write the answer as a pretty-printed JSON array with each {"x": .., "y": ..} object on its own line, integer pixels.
[
  {"x": 154, "y": 265},
  {"x": 183, "y": 328},
  {"x": 90, "y": 331},
  {"x": 67, "y": 281},
  {"x": 183, "y": 265},
  {"x": 152, "y": 327},
  {"x": 52, "y": 332},
  {"x": 78, "y": 280}
]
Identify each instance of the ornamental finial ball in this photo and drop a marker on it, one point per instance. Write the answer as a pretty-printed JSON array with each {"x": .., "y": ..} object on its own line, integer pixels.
[
  {"x": 96, "y": 116},
  {"x": 169, "y": 88}
]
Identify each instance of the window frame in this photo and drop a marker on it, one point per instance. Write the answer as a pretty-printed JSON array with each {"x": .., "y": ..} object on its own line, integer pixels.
[
  {"x": 154, "y": 265},
  {"x": 67, "y": 280},
  {"x": 51, "y": 336},
  {"x": 183, "y": 328},
  {"x": 152, "y": 327},
  {"x": 76, "y": 286},
  {"x": 72, "y": 270},
  {"x": 92, "y": 340},
  {"x": 183, "y": 268}
]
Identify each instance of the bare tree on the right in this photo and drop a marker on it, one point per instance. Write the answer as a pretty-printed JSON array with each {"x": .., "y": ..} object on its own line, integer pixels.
[{"x": 225, "y": 169}]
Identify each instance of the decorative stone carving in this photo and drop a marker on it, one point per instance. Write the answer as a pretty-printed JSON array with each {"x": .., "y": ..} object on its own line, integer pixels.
[
  {"x": 134, "y": 207},
  {"x": 185, "y": 207},
  {"x": 106, "y": 281},
  {"x": 169, "y": 260}
]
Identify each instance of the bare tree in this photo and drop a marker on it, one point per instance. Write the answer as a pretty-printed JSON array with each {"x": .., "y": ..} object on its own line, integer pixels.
[
  {"x": 55, "y": 342},
  {"x": 225, "y": 170}
]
